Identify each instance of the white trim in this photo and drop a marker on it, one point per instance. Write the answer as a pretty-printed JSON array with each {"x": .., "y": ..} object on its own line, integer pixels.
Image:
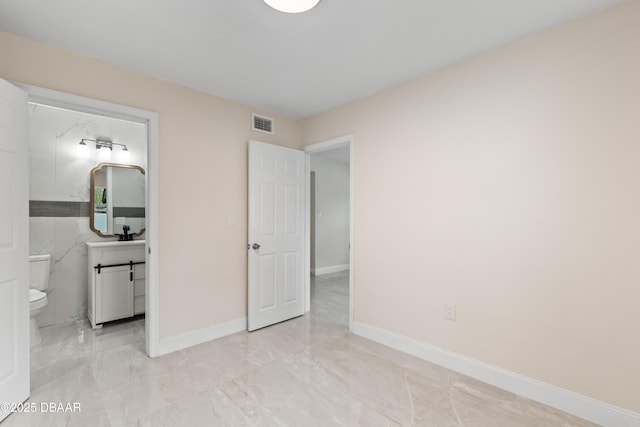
[
  {"x": 328, "y": 270},
  {"x": 192, "y": 338},
  {"x": 150, "y": 119},
  {"x": 581, "y": 406},
  {"x": 307, "y": 234},
  {"x": 342, "y": 141},
  {"x": 152, "y": 299},
  {"x": 88, "y": 105}
]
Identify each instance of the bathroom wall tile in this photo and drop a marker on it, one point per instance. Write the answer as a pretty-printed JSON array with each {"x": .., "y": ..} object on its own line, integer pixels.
[
  {"x": 72, "y": 177},
  {"x": 69, "y": 268},
  {"x": 72, "y": 173},
  {"x": 42, "y": 151},
  {"x": 132, "y": 212},
  {"x": 55, "y": 209},
  {"x": 41, "y": 236}
]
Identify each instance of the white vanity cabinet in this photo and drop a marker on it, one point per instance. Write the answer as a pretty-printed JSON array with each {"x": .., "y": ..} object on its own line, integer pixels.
[{"x": 116, "y": 280}]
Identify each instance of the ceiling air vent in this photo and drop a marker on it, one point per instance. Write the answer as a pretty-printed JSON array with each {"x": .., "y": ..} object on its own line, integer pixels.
[{"x": 261, "y": 123}]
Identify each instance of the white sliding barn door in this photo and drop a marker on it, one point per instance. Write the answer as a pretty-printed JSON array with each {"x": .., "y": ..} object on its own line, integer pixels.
[
  {"x": 276, "y": 234},
  {"x": 14, "y": 248}
]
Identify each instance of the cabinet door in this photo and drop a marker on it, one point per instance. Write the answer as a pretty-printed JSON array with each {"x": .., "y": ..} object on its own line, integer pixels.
[{"x": 114, "y": 294}]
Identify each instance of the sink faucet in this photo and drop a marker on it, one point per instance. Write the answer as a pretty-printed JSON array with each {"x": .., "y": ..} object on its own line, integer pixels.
[{"x": 126, "y": 235}]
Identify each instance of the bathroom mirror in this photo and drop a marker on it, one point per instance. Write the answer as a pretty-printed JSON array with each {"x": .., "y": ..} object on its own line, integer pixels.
[{"x": 117, "y": 200}]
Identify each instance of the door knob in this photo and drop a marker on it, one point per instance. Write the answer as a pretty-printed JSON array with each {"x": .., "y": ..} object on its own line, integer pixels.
[{"x": 255, "y": 246}]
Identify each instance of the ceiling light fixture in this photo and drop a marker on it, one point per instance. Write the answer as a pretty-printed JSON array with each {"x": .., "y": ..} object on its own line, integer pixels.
[{"x": 292, "y": 6}]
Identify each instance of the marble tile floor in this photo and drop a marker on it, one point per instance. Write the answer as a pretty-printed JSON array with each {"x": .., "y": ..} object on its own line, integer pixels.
[{"x": 308, "y": 371}]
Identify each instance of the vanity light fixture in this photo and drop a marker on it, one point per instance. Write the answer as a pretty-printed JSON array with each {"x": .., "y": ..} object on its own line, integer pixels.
[
  {"x": 292, "y": 6},
  {"x": 105, "y": 148}
]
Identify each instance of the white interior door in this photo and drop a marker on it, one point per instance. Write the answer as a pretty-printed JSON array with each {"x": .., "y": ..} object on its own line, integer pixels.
[
  {"x": 14, "y": 248},
  {"x": 276, "y": 234}
]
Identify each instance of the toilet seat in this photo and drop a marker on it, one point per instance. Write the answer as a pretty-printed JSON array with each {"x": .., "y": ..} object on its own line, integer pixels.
[
  {"x": 37, "y": 299},
  {"x": 36, "y": 295}
]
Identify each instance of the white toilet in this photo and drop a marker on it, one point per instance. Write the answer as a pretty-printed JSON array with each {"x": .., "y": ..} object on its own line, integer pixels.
[{"x": 39, "y": 269}]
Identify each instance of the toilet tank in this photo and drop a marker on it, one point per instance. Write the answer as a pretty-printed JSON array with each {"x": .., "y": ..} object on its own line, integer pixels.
[{"x": 39, "y": 270}]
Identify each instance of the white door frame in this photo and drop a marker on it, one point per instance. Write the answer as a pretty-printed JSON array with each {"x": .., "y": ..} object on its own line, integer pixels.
[
  {"x": 342, "y": 141},
  {"x": 14, "y": 277},
  {"x": 150, "y": 119}
]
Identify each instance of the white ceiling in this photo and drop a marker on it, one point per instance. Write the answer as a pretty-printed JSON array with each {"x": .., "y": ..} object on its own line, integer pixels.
[{"x": 297, "y": 65}]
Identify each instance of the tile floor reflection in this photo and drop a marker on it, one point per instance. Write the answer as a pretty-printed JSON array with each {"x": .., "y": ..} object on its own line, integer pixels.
[{"x": 308, "y": 371}]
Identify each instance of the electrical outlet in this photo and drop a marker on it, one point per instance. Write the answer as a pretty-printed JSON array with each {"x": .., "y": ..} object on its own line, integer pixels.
[
  {"x": 231, "y": 221},
  {"x": 450, "y": 311}
]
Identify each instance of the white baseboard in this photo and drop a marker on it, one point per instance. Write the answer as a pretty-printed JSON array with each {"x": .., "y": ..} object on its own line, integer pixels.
[
  {"x": 331, "y": 269},
  {"x": 581, "y": 406},
  {"x": 189, "y": 339}
]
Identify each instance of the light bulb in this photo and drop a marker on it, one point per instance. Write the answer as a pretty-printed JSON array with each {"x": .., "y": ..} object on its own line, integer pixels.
[
  {"x": 83, "y": 150},
  {"x": 104, "y": 153},
  {"x": 124, "y": 156}
]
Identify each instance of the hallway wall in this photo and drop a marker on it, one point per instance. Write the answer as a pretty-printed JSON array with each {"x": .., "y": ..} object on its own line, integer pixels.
[{"x": 331, "y": 212}]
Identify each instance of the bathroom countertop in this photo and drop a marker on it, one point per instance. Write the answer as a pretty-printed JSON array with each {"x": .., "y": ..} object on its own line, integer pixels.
[{"x": 109, "y": 243}]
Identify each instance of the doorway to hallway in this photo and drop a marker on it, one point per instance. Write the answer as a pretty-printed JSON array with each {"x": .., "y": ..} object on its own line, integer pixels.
[{"x": 330, "y": 219}]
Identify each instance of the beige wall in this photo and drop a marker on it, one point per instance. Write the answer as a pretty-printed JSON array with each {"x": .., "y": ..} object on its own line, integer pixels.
[
  {"x": 509, "y": 185},
  {"x": 202, "y": 179}
]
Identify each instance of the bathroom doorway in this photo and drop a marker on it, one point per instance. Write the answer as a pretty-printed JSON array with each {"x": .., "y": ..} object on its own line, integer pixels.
[
  {"x": 330, "y": 216},
  {"x": 59, "y": 194}
]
